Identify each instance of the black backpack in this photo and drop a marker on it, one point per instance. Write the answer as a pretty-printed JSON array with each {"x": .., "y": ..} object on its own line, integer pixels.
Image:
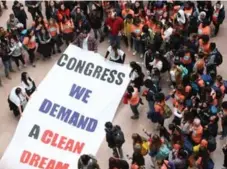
[
  {"x": 118, "y": 135},
  {"x": 212, "y": 144},
  {"x": 218, "y": 58}
]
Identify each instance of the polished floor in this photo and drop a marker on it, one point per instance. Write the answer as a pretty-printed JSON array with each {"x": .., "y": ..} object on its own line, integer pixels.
[{"x": 8, "y": 122}]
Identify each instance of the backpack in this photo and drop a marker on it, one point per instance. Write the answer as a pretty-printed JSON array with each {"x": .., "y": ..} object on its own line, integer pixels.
[
  {"x": 225, "y": 85},
  {"x": 165, "y": 65},
  {"x": 217, "y": 90},
  {"x": 195, "y": 87},
  {"x": 170, "y": 165},
  {"x": 212, "y": 144},
  {"x": 118, "y": 135},
  {"x": 207, "y": 79},
  {"x": 210, "y": 164},
  {"x": 218, "y": 58},
  {"x": 163, "y": 152},
  {"x": 167, "y": 112},
  {"x": 144, "y": 148}
]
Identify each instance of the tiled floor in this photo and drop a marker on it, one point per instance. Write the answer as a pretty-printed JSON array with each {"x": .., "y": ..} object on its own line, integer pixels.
[{"x": 8, "y": 123}]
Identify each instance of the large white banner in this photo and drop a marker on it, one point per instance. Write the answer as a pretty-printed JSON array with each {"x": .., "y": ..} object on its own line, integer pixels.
[{"x": 66, "y": 115}]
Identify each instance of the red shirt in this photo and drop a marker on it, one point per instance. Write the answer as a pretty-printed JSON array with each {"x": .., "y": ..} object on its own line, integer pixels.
[{"x": 115, "y": 24}]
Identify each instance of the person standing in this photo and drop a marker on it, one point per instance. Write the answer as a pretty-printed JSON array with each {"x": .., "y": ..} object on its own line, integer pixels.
[
  {"x": 4, "y": 54},
  {"x": 86, "y": 41},
  {"x": 218, "y": 16},
  {"x": 54, "y": 31},
  {"x": 134, "y": 101},
  {"x": 115, "y": 26},
  {"x": 28, "y": 83},
  {"x": 16, "y": 52},
  {"x": 34, "y": 7},
  {"x": 45, "y": 43},
  {"x": 96, "y": 24},
  {"x": 51, "y": 9},
  {"x": 115, "y": 54},
  {"x": 224, "y": 120},
  {"x": 29, "y": 44},
  {"x": 115, "y": 139},
  {"x": 19, "y": 12},
  {"x": 67, "y": 28},
  {"x": 12, "y": 24}
]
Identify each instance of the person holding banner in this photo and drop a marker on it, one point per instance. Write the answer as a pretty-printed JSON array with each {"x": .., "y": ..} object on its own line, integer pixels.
[
  {"x": 17, "y": 100},
  {"x": 116, "y": 55},
  {"x": 27, "y": 83}
]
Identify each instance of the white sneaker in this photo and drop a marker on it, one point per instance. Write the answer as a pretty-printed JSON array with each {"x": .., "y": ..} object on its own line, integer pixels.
[
  {"x": 134, "y": 53},
  {"x": 24, "y": 65},
  {"x": 141, "y": 55}
]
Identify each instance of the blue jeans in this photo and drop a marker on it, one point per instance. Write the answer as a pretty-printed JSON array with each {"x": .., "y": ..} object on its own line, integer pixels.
[
  {"x": 7, "y": 67},
  {"x": 151, "y": 105},
  {"x": 137, "y": 46},
  {"x": 115, "y": 39},
  {"x": 134, "y": 109}
]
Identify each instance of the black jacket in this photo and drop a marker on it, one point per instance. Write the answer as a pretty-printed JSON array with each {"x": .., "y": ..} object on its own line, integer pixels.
[
  {"x": 19, "y": 13},
  {"x": 138, "y": 159},
  {"x": 110, "y": 139},
  {"x": 221, "y": 15}
]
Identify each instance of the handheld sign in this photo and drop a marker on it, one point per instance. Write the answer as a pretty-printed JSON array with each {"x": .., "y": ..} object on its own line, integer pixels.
[{"x": 66, "y": 115}]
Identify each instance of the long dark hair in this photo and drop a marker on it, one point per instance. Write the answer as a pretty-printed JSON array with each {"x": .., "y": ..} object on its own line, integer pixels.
[{"x": 24, "y": 79}]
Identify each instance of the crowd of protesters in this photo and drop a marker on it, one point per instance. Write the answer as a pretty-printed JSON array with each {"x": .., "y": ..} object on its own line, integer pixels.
[{"x": 171, "y": 38}]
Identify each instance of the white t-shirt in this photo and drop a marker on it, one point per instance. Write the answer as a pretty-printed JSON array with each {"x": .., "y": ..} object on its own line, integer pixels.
[
  {"x": 112, "y": 55},
  {"x": 18, "y": 100},
  {"x": 29, "y": 86},
  {"x": 85, "y": 46}
]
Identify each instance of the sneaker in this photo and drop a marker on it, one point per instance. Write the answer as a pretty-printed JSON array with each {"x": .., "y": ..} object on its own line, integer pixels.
[
  {"x": 59, "y": 50},
  {"x": 24, "y": 65},
  {"x": 141, "y": 55},
  {"x": 12, "y": 70},
  {"x": 134, "y": 117},
  {"x": 54, "y": 52},
  {"x": 33, "y": 65},
  {"x": 134, "y": 53}
]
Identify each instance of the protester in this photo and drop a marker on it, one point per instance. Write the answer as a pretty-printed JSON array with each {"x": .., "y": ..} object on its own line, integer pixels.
[
  {"x": 17, "y": 100},
  {"x": 29, "y": 43},
  {"x": 86, "y": 41},
  {"x": 45, "y": 46},
  {"x": 87, "y": 162},
  {"x": 6, "y": 59},
  {"x": 116, "y": 55},
  {"x": 20, "y": 14},
  {"x": 115, "y": 26},
  {"x": 115, "y": 139},
  {"x": 16, "y": 49},
  {"x": 27, "y": 83},
  {"x": 34, "y": 7}
]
